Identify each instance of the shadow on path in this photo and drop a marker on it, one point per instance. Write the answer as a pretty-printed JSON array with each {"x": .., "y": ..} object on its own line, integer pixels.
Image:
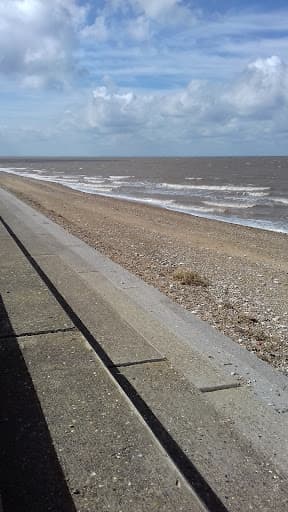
[{"x": 31, "y": 478}]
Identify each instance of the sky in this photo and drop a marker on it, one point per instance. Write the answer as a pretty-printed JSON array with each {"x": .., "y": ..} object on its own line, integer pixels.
[{"x": 143, "y": 77}]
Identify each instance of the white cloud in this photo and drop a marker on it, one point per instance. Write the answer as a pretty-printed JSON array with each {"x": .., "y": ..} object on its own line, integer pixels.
[
  {"x": 163, "y": 13},
  {"x": 252, "y": 103},
  {"x": 262, "y": 87},
  {"x": 166, "y": 12},
  {"x": 118, "y": 110},
  {"x": 139, "y": 28},
  {"x": 98, "y": 31},
  {"x": 37, "y": 37},
  {"x": 155, "y": 8}
]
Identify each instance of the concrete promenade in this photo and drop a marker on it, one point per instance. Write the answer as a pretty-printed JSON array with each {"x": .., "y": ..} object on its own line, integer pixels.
[{"x": 113, "y": 398}]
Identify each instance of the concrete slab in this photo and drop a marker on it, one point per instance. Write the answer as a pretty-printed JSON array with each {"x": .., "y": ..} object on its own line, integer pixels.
[
  {"x": 76, "y": 262},
  {"x": 8, "y": 250},
  {"x": 30, "y": 307},
  {"x": 266, "y": 431},
  {"x": 225, "y": 355},
  {"x": 31, "y": 312},
  {"x": 148, "y": 340},
  {"x": 29, "y": 223},
  {"x": 109, "y": 458},
  {"x": 38, "y": 244},
  {"x": 85, "y": 259},
  {"x": 121, "y": 343},
  {"x": 25, "y": 228},
  {"x": 194, "y": 366},
  {"x": 3, "y": 232},
  {"x": 237, "y": 473},
  {"x": 45, "y": 241}
]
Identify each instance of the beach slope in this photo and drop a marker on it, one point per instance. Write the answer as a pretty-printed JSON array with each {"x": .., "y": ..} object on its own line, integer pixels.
[{"x": 234, "y": 277}]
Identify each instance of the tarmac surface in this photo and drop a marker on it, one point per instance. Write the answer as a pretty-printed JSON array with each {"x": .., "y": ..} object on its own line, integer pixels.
[{"x": 115, "y": 399}]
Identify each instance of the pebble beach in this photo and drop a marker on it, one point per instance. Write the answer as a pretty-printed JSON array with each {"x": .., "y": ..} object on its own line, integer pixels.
[{"x": 234, "y": 277}]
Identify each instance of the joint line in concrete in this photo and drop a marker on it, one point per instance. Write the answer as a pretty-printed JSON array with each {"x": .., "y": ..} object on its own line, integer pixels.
[
  {"x": 135, "y": 363},
  {"x": 220, "y": 387},
  {"x": 37, "y": 333}
]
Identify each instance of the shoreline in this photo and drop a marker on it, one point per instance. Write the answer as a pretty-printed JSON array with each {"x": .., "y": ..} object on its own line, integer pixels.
[
  {"x": 265, "y": 225},
  {"x": 246, "y": 268}
]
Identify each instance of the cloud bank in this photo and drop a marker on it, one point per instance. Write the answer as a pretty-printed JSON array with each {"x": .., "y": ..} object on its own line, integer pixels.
[
  {"x": 256, "y": 101},
  {"x": 136, "y": 73}
]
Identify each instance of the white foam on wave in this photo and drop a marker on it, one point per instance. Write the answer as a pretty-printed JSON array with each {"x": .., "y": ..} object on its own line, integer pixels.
[
  {"x": 197, "y": 209},
  {"x": 230, "y": 204},
  {"x": 93, "y": 189},
  {"x": 266, "y": 225},
  {"x": 119, "y": 177},
  {"x": 224, "y": 188},
  {"x": 19, "y": 171},
  {"x": 194, "y": 178},
  {"x": 93, "y": 179},
  {"x": 62, "y": 180},
  {"x": 68, "y": 179},
  {"x": 280, "y": 200},
  {"x": 11, "y": 169},
  {"x": 259, "y": 194},
  {"x": 148, "y": 200},
  {"x": 209, "y": 212}
]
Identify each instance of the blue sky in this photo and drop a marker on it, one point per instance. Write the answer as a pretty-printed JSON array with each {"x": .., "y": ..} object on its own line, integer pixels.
[{"x": 143, "y": 77}]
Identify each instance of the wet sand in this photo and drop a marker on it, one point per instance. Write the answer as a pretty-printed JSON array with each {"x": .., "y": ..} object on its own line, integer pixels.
[{"x": 246, "y": 269}]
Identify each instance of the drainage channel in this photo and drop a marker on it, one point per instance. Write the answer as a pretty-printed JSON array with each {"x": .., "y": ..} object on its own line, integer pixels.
[{"x": 185, "y": 466}]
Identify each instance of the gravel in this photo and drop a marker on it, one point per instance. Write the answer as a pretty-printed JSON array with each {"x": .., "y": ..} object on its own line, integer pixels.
[{"x": 246, "y": 269}]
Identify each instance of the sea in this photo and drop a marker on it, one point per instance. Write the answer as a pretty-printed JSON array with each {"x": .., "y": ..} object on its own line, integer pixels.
[{"x": 252, "y": 191}]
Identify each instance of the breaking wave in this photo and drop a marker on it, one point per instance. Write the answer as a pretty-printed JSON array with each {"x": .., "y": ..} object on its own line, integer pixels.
[
  {"x": 259, "y": 194},
  {"x": 197, "y": 209},
  {"x": 231, "y": 204},
  {"x": 194, "y": 179},
  {"x": 120, "y": 178},
  {"x": 213, "y": 201},
  {"x": 280, "y": 200},
  {"x": 223, "y": 188}
]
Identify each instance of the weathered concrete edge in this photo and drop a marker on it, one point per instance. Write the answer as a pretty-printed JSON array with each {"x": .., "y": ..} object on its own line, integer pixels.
[{"x": 265, "y": 381}]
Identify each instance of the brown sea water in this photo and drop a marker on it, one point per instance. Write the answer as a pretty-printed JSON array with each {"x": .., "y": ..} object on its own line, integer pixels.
[{"x": 252, "y": 191}]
